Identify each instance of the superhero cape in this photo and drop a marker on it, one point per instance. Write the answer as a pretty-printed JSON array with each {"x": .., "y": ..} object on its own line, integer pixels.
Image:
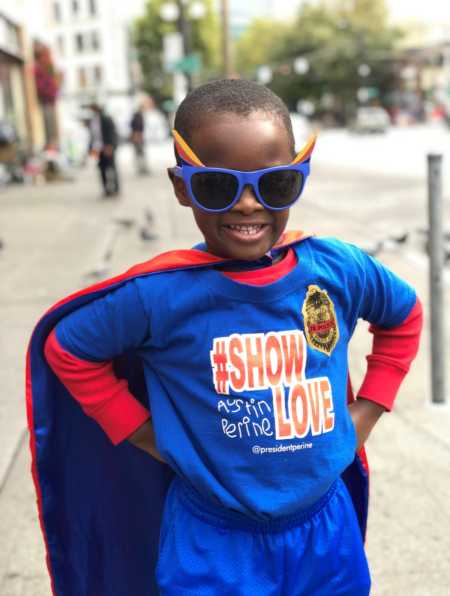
[{"x": 100, "y": 506}]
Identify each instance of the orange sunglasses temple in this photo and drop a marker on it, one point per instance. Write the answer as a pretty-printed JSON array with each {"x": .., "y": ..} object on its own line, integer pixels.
[{"x": 187, "y": 155}]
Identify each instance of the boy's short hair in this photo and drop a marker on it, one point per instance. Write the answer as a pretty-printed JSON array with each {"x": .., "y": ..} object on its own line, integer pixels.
[{"x": 229, "y": 96}]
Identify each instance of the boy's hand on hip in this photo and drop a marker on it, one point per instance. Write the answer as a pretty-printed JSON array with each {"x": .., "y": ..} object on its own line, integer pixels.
[
  {"x": 365, "y": 414},
  {"x": 144, "y": 438}
]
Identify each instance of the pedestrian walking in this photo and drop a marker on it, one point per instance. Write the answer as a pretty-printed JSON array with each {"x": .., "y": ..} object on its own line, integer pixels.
[
  {"x": 220, "y": 375},
  {"x": 137, "y": 135},
  {"x": 103, "y": 144}
]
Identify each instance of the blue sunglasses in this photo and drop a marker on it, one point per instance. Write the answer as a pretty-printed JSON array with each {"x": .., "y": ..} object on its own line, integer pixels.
[{"x": 216, "y": 190}]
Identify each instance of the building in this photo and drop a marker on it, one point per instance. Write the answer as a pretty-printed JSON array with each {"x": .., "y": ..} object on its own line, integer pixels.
[
  {"x": 423, "y": 59},
  {"x": 12, "y": 97},
  {"x": 20, "y": 25},
  {"x": 424, "y": 79},
  {"x": 91, "y": 44}
]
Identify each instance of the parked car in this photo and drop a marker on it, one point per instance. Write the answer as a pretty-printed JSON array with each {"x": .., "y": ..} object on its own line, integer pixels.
[{"x": 371, "y": 119}]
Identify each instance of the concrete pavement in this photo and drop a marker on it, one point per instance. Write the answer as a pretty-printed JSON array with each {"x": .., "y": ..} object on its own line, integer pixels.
[
  {"x": 59, "y": 237},
  {"x": 400, "y": 151}
]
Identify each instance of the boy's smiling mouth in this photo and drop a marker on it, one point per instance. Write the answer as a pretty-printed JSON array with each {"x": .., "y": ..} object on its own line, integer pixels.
[{"x": 245, "y": 232}]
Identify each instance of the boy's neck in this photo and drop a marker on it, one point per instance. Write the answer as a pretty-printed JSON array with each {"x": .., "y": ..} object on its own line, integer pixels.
[{"x": 267, "y": 260}]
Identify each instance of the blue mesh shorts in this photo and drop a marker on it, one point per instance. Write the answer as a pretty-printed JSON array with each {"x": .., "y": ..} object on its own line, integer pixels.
[{"x": 208, "y": 551}]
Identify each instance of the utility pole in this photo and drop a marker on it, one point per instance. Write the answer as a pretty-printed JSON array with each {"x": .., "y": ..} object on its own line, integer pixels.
[
  {"x": 184, "y": 27},
  {"x": 226, "y": 51},
  {"x": 436, "y": 257}
]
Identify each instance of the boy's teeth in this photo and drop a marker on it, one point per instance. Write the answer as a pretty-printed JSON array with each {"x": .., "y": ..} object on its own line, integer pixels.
[{"x": 246, "y": 228}]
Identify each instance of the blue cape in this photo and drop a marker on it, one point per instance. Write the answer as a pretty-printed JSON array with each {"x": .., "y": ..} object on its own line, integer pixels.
[{"x": 100, "y": 506}]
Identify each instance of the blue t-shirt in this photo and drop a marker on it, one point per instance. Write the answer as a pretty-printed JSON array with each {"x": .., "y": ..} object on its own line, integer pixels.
[{"x": 247, "y": 384}]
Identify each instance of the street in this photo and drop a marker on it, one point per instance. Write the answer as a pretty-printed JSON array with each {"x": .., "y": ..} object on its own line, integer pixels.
[{"x": 367, "y": 190}]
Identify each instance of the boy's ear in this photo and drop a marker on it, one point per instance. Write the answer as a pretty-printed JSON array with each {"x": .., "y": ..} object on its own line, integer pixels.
[{"x": 179, "y": 188}]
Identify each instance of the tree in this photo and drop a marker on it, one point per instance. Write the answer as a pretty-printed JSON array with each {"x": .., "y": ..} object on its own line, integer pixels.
[
  {"x": 256, "y": 46},
  {"x": 348, "y": 45},
  {"x": 148, "y": 33}
]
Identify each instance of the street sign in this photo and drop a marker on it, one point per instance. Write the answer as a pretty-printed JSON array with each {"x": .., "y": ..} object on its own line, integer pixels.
[
  {"x": 172, "y": 50},
  {"x": 366, "y": 93},
  {"x": 168, "y": 105},
  {"x": 189, "y": 64}
]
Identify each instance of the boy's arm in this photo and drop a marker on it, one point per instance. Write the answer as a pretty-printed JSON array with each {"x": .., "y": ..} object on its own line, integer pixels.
[
  {"x": 80, "y": 351},
  {"x": 101, "y": 395},
  {"x": 393, "y": 351},
  {"x": 144, "y": 438}
]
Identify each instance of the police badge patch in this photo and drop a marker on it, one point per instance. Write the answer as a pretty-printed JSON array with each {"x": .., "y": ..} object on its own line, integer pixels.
[{"x": 321, "y": 328}]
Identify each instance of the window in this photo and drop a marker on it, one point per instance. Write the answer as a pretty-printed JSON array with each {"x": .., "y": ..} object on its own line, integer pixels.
[
  {"x": 62, "y": 81},
  {"x": 95, "y": 40},
  {"x": 60, "y": 46},
  {"x": 79, "y": 43},
  {"x": 10, "y": 37},
  {"x": 82, "y": 80},
  {"x": 57, "y": 12},
  {"x": 98, "y": 75},
  {"x": 93, "y": 7}
]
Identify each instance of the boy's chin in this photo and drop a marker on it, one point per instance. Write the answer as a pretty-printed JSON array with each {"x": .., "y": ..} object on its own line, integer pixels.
[{"x": 242, "y": 251}]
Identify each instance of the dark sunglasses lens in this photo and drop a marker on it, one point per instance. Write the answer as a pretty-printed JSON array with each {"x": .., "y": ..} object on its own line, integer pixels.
[
  {"x": 214, "y": 190},
  {"x": 280, "y": 188}
]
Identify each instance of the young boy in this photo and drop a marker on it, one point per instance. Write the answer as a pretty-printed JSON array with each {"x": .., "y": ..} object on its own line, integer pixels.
[{"x": 243, "y": 344}]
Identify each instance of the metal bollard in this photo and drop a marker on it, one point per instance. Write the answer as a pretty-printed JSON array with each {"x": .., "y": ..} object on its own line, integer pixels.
[{"x": 436, "y": 268}]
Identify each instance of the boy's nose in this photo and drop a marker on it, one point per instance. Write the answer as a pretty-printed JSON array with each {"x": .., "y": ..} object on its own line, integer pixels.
[{"x": 248, "y": 203}]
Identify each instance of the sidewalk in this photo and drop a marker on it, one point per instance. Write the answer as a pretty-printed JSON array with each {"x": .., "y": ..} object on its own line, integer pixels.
[{"x": 59, "y": 238}]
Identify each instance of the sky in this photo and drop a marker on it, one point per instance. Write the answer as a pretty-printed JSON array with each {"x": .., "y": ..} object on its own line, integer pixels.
[
  {"x": 425, "y": 10},
  {"x": 264, "y": 8},
  {"x": 242, "y": 11}
]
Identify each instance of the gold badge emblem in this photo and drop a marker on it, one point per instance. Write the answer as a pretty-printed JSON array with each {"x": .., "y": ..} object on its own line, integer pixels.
[{"x": 321, "y": 328}]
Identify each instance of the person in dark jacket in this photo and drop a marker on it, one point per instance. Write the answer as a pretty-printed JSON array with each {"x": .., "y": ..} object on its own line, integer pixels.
[
  {"x": 103, "y": 143},
  {"x": 137, "y": 136}
]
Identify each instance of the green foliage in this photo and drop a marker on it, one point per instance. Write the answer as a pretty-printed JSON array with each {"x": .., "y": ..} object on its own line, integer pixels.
[
  {"x": 336, "y": 37},
  {"x": 148, "y": 33},
  {"x": 257, "y": 44}
]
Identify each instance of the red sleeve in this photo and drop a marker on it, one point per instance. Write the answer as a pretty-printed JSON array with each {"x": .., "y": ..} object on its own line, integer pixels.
[
  {"x": 102, "y": 396},
  {"x": 393, "y": 351}
]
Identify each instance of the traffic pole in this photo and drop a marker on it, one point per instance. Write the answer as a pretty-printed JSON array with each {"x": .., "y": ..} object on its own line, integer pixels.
[
  {"x": 226, "y": 50},
  {"x": 436, "y": 279},
  {"x": 184, "y": 26}
]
